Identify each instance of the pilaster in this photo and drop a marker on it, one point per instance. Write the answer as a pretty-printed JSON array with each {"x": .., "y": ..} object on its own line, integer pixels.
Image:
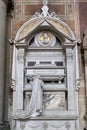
[
  {"x": 20, "y": 78},
  {"x": 70, "y": 77}
]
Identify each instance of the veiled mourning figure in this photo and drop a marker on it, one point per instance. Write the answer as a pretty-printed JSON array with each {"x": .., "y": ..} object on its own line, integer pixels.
[{"x": 34, "y": 107}]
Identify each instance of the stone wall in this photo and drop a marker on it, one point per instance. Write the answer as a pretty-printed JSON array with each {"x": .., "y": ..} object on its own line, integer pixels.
[
  {"x": 82, "y": 16},
  {"x": 73, "y": 13}
]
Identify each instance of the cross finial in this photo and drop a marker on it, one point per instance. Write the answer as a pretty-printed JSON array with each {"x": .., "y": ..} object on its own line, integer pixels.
[{"x": 45, "y": 8}]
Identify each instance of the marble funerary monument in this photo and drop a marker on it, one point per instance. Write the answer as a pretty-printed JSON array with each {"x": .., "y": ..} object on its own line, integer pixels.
[{"x": 45, "y": 76}]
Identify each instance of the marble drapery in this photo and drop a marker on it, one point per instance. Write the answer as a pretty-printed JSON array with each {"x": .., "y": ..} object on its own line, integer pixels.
[{"x": 34, "y": 107}]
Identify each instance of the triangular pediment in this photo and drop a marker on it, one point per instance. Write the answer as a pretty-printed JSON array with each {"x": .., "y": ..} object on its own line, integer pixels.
[{"x": 55, "y": 24}]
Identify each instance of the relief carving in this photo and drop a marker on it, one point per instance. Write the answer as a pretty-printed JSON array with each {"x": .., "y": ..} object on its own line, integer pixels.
[
  {"x": 20, "y": 56},
  {"x": 77, "y": 84},
  {"x": 54, "y": 101},
  {"x": 57, "y": 125},
  {"x": 45, "y": 38},
  {"x": 69, "y": 54},
  {"x": 61, "y": 78},
  {"x": 47, "y": 125},
  {"x": 34, "y": 126},
  {"x": 22, "y": 125},
  {"x": 67, "y": 125}
]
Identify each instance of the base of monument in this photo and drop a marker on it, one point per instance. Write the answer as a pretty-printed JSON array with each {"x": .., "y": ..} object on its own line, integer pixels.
[{"x": 5, "y": 126}]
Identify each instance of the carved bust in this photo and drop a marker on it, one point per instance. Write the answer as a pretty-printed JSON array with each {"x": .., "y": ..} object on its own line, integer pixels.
[{"x": 45, "y": 39}]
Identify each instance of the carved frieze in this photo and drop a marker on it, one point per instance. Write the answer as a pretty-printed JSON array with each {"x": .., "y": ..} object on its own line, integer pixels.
[{"x": 46, "y": 125}]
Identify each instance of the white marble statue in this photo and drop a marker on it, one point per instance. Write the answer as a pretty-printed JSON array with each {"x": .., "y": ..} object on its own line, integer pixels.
[{"x": 34, "y": 108}]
